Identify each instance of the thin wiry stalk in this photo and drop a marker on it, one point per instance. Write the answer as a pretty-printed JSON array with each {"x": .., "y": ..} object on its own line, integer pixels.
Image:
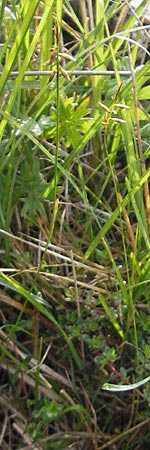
[{"x": 72, "y": 72}]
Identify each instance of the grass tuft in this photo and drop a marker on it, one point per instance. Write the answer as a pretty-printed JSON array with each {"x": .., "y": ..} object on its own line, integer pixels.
[{"x": 74, "y": 225}]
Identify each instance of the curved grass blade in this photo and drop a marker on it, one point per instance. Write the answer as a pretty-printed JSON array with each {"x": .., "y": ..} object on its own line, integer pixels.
[{"x": 124, "y": 387}]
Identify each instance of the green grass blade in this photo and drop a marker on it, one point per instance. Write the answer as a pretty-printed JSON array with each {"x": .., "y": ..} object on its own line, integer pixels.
[
  {"x": 111, "y": 316},
  {"x": 17, "y": 43},
  {"x": 27, "y": 59},
  {"x": 116, "y": 214},
  {"x": 47, "y": 42}
]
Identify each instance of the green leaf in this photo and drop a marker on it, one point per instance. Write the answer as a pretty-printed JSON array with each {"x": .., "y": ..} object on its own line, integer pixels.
[{"x": 144, "y": 93}]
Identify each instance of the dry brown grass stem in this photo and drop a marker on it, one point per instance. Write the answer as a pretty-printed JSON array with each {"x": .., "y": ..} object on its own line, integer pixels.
[
  {"x": 60, "y": 252},
  {"x": 33, "y": 364},
  {"x": 122, "y": 435}
]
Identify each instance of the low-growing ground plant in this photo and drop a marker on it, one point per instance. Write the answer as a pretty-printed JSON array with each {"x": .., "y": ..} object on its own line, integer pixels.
[{"x": 74, "y": 225}]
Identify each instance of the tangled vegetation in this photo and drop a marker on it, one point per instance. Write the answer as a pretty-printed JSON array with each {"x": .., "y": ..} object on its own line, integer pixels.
[{"x": 74, "y": 225}]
